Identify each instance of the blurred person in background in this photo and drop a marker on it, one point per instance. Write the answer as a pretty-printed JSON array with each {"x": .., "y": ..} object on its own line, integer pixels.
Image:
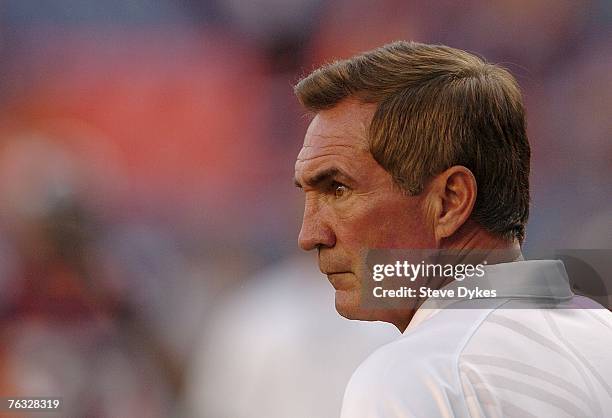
[
  {"x": 416, "y": 146},
  {"x": 69, "y": 329},
  {"x": 275, "y": 349}
]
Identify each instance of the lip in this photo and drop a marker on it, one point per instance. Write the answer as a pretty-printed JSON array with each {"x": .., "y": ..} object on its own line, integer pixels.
[
  {"x": 340, "y": 281},
  {"x": 329, "y": 273}
]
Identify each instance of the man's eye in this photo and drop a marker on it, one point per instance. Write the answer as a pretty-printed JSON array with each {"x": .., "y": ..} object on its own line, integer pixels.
[{"x": 340, "y": 190}]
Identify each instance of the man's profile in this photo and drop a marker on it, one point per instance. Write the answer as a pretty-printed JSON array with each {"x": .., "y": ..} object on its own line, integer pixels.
[{"x": 416, "y": 146}]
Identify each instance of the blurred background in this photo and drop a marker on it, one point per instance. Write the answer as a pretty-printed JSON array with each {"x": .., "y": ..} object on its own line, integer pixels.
[{"x": 148, "y": 221}]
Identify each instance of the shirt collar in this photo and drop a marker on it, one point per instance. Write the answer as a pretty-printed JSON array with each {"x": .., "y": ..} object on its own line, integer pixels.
[{"x": 541, "y": 279}]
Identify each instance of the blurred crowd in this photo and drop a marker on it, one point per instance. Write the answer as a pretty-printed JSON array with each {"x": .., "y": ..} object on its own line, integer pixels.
[{"x": 148, "y": 220}]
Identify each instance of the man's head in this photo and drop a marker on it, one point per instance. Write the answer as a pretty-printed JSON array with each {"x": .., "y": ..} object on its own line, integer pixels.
[{"x": 411, "y": 146}]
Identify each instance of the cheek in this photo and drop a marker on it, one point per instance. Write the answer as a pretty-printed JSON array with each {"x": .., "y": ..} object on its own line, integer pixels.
[{"x": 394, "y": 224}]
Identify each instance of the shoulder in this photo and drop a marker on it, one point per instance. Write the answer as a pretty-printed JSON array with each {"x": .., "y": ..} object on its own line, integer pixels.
[
  {"x": 416, "y": 375},
  {"x": 388, "y": 384}
]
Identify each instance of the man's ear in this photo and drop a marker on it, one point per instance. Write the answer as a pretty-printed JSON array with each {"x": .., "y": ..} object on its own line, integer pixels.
[{"x": 452, "y": 199}]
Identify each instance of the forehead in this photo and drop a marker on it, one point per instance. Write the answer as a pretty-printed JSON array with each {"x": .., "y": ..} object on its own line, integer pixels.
[{"x": 341, "y": 130}]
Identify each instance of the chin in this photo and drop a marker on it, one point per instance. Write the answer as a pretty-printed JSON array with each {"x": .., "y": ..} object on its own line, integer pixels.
[{"x": 348, "y": 305}]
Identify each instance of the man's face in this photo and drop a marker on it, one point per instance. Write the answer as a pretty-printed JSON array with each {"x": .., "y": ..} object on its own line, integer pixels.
[{"x": 352, "y": 204}]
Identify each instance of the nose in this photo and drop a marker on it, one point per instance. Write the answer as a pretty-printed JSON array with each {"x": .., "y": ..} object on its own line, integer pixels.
[{"x": 316, "y": 231}]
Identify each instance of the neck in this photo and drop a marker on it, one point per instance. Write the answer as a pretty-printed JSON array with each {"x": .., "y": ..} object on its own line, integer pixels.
[
  {"x": 470, "y": 244},
  {"x": 474, "y": 243}
]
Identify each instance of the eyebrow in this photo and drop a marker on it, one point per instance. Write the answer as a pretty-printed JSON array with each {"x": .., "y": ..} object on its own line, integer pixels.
[{"x": 323, "y": 177}]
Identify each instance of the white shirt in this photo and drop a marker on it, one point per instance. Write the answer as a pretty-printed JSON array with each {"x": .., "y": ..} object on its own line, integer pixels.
[{"x": 516, "y": 355}]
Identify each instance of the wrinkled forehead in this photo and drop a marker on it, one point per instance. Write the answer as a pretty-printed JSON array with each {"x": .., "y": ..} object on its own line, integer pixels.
[{"x": 344, "y": 126}]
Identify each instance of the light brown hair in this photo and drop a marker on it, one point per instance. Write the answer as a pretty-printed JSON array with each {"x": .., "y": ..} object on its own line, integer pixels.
[{"x": 438, "y": 107}]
